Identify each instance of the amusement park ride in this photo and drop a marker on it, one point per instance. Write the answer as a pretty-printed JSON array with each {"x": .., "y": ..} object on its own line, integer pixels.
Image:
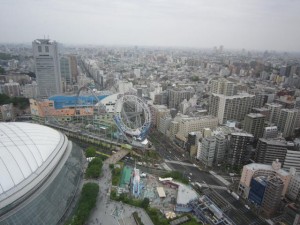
[
  {"x": 133, "y": 119},
  {"x": 131, "y": 116}
]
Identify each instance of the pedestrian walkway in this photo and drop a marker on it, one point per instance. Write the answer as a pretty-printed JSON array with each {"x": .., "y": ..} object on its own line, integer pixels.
[{"x": 108, "y": 212}]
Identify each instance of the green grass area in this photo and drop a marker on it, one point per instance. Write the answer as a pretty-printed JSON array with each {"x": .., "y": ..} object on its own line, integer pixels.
[{"x": 86, "y": 203}]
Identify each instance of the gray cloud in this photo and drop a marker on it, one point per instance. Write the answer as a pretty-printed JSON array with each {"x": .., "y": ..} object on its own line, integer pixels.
[{"x": 250, "y": 24}]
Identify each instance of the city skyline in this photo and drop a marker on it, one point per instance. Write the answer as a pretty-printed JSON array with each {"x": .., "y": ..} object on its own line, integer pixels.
[{"x": 255, "y": 25}]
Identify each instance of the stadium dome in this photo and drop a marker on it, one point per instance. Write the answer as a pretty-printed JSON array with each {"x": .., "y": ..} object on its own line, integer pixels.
[{"x": 40, "y": 171}]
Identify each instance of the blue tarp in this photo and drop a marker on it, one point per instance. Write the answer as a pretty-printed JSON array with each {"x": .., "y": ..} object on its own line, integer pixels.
[{"x": 61, "y": 101}]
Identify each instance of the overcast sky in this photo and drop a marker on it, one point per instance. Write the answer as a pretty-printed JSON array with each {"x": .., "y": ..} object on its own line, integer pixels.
[{"x": 249, "y": 24}]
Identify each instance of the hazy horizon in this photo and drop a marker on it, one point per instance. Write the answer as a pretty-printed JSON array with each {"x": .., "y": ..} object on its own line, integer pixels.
[{"x": 250, "y": 24}]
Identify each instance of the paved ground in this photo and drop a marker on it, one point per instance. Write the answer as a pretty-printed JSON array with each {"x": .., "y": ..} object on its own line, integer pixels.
[{"x": 109, "y": 212}]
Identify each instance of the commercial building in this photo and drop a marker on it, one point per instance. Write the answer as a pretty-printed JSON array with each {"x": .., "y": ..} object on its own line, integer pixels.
[
  {"x": 221, "y": 148},
  {"x": 40, "y": 174},
  {"x": 191, "y": 124},
  {"x": 254, "y": 124},
  {"x": 268, "y": 150},
  {"x": 208, "y": 149},
  {"x": 272, "y": 195},
  {"x": 238, "y": 154},
  {"x": 47, "y": 68},
  {"x": 254, "y": 170},
  {"x": 234, "y": 107},
  {"x": 65, "y": 70}
]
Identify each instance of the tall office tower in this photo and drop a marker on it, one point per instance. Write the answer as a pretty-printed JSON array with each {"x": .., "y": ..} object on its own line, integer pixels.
[
  {"x": 230, "y": 107},
  {"x": 270, "y": 132},
  {"x": 272, "y": 195},
  {"x": 45, "y": 53},
  {"x": 175, "y": 97},
  {"x": 65, "y": 70},
  {"x": 221, "y": 147},
  {"x": 268, "y": 150},
  {"x": 274, "y": 112},
  {"x": 208, "y": 151},
  {"x": 289, "y": 120},
  {"x": 223, "y": 86},
  {"x": 238, "y": 148},
  {"x": 254, "y": 124},
  {"x": 74, "y": 69}
]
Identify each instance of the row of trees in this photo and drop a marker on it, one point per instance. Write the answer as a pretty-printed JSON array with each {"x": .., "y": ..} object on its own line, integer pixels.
[{"x": 86, "y": 203}]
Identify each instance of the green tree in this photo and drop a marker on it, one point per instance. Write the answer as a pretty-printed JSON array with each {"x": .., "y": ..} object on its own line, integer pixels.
[
  {"x": 94, "y": 168},
  {"x": 86, "y": 203},
  {"x": 145, "y": 203},
  {"x": 90, "y": 152}
]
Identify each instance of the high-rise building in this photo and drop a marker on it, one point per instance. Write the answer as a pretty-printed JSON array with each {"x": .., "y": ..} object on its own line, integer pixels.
[
  {"x": 221, "y": 148},
  {"x": 175, "y": 97},
  {"x": 293, "y": 192},
  {"x": 238, "y": 148},
  {"x": 268, "y": 150},
  {"x": 231, "y": 107},
  {"x": 45, "y": 53},
  {"x": 292, "y": 159},
  {"x": 253, "y": 170},
  {"x": 254, "y": 124},
  {"x": 274, "y": 112},
  {"x": 272, "y": 195},
  {"x": 208, "y": 151},
  {"x": 65, "y": 70},
  {"x": 193, "y": 124},
  {"x": 74, "y": 69},
  {"x": 289, "y": 120},
  {"x": 223, "y": 86}
]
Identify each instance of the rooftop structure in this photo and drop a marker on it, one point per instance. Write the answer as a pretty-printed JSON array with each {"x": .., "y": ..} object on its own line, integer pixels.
[{"x": 33, "y": 167}]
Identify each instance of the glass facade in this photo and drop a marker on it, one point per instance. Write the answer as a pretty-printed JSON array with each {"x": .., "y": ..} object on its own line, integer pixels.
[{"x": 50, "y": 205}]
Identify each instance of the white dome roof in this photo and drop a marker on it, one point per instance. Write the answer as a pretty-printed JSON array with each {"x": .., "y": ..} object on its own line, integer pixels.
[{"x": 28, "y": 153}]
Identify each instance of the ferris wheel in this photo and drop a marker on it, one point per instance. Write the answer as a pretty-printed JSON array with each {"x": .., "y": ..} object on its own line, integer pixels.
[{"x": 132, "y": 117}]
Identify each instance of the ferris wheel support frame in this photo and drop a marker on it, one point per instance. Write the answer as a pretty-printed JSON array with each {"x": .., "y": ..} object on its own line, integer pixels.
[{"x": 139, "y": 133}]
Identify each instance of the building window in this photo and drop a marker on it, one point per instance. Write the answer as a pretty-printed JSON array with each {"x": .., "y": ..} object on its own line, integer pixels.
[
  {"x": 40, "y": 48},
  {"x": 47, "y": 48}
]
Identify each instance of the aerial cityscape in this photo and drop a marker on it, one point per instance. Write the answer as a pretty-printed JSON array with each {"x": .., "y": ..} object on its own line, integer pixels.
[{"x": 150, "y": 112}]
